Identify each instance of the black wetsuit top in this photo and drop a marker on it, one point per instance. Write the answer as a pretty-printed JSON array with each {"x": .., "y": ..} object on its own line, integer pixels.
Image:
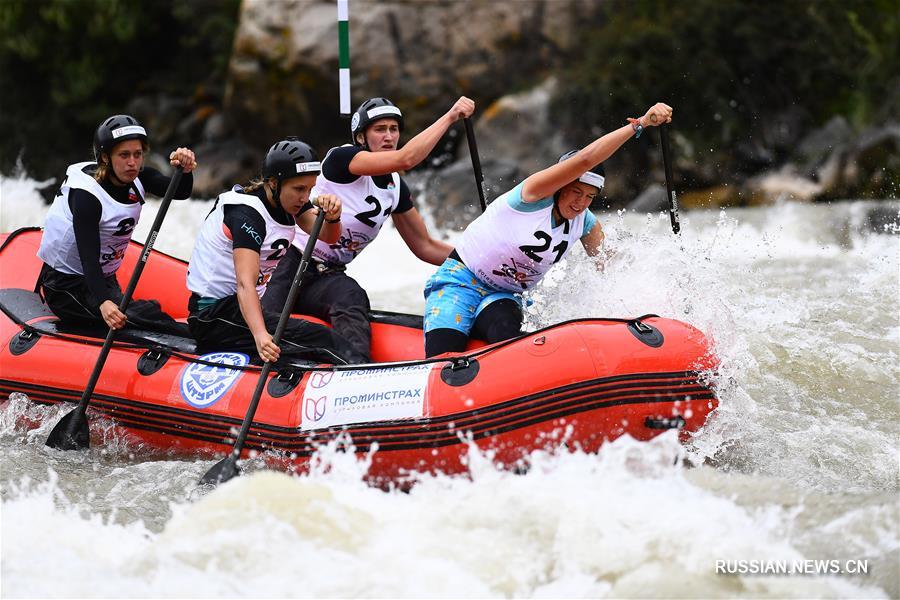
[{"x": 86, "y": 213}]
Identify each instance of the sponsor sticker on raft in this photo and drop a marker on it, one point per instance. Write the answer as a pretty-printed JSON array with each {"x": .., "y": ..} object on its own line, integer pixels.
[
  {"x": 202, "y": 385},
  {"x": 344, "y": 397}
]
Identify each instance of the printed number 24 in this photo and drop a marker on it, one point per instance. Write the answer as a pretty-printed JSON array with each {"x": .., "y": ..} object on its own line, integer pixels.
[
  {"x": 366, "y": 216},
  {"x": 279, "y": 246}
]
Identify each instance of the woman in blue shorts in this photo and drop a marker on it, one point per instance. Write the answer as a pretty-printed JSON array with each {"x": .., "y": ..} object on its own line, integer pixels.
[{"x": 509, "y": 248}]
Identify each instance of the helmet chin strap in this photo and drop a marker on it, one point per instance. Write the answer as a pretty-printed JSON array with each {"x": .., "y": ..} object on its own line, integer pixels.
[{"x": 276, "y": 194}]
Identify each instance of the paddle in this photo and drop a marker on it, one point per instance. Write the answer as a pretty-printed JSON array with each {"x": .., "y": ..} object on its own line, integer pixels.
[
  {"x": 476, "y": 162},
  {"x": 72, "y": 432},
  {"x": 670, "y": 186},
  {"x": 227, "y": 468}
]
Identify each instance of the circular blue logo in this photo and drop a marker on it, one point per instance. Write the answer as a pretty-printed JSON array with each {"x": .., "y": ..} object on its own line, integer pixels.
[{"x": 202, "y": 385}]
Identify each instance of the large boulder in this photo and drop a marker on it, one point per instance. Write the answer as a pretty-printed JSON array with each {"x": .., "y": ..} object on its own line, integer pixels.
[
  {"x": 653, "y": 199},
  {"x": 519, "y": 128},
  {"x": 847, "y": 165},
  {"x": 819, "y": 145},
  {"x": 872, "y": 167},
  {"x": 515, "y": 137},
  {"x": 779, "y": 185},
  {"x": 423, "y": 55},
  {"x": 452, "y": 194}
]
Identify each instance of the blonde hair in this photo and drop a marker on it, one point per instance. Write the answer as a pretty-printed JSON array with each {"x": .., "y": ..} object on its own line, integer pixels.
[
  {"x": 258, "y": 183},
  {"x": 255, "y": 184},
  {"x": 103, "y": 167}
]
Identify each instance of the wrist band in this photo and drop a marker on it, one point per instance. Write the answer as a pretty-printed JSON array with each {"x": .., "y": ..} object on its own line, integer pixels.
[
  {"x": 338, "y": 220},
  {"x": 638, "y": 129}
]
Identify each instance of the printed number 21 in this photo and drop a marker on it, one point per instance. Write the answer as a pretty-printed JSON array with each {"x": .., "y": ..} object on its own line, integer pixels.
[{"x": 531, "y": 251}]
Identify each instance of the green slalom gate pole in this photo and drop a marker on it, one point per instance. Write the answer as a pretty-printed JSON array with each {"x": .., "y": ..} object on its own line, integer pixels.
[{"x": 343, "y": 15}]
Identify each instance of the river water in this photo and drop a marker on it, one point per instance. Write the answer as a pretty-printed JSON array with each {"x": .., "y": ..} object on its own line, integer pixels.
[{"x": 789, "y": 491}]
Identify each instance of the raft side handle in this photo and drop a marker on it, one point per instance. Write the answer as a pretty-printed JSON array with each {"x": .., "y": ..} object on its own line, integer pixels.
[
  {"x": 23, "y": 341},
  {"x": 284, "y": 382},
  {"x": 460, "y": 371},
  {"x": 648, "y": 334},
  {"x": 460, "y": 362},
  {"x": 152, "y": 361},
  {"x": 642, "y": 327}
]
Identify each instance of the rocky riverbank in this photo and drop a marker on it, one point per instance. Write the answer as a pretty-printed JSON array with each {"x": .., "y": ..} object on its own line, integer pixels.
[{"x": 752, "y": 125}]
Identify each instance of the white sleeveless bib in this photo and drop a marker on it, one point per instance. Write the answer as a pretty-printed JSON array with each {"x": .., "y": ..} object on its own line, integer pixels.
[
  {"x": 511, "y": 249},
  {"x": 211, "y": 269},
  {"x": 117, "y": 221},
  {"x": 364, "y": 209}
]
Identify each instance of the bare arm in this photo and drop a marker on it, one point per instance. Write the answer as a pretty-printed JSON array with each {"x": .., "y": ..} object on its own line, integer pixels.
[
  {"x": 246, "y": 269},
  {"x": 545, "y": 183},
  {"x": 415, "y": 150},
  {"x": 593, "y": 240},
  {"x": 412, "y": 229}
]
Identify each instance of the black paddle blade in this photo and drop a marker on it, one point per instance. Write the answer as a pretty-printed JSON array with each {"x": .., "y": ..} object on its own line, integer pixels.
[
  {"x": 71, "y": 433},
  {"x": 221, "y": 472}
]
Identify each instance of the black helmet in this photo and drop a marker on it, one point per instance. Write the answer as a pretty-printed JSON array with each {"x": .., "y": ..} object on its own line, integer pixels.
[
  {"x": 595, "y": 177},
  {"x": 370, "y": 111},
  {"x": 118, "y": 128},
  {"x": 288, "y": 158}
]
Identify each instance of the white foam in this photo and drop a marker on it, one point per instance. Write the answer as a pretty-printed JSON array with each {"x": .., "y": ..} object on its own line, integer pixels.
[
  {"x": 801, "y": 304},
  {"x": 563, "y": 529}
]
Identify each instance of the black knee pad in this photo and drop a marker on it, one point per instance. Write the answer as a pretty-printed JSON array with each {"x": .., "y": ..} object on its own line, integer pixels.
[
  {"x": 500, "y": 320},
  {"x": 438, "y": 341}
]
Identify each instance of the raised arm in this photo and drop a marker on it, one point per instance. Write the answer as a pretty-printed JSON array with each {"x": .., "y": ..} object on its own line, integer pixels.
[
  {"x": 415, "y": 150},
  {"x": 545, "y": 183}
]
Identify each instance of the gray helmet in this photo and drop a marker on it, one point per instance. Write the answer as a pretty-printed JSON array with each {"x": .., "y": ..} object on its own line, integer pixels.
[
  {"x": 116, "y": 129},
  {"x": 595, "y": 177},
  {"x": 372, "y": 110},
  {"x": 289, "y": 158}
]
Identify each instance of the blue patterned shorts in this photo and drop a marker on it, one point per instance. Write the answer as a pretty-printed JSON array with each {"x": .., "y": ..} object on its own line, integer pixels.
[{"x": 454, "y": 297}]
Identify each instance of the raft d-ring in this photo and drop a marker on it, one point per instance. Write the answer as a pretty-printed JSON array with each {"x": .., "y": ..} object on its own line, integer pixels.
[
  {"x": 461, "y": 362},
  {"x": 460, "y": 371},
  {"x": 23, "y": 341},
  {"x": 642, "y": 327},
  {"x": 284, "y": 382},
  {"x": 648, "y": 334},
  {"x": 151, "y": 361},
  {"x": 539, "y": 341}
]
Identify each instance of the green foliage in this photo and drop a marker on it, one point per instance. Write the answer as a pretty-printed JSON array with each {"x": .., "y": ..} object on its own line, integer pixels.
[
  {"x": 66, "y": 64},
  {"x": 733, "y": 68}
]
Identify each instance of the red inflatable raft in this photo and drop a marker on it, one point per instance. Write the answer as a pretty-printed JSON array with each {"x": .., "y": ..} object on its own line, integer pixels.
[{"x": 574, "y": 385}]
